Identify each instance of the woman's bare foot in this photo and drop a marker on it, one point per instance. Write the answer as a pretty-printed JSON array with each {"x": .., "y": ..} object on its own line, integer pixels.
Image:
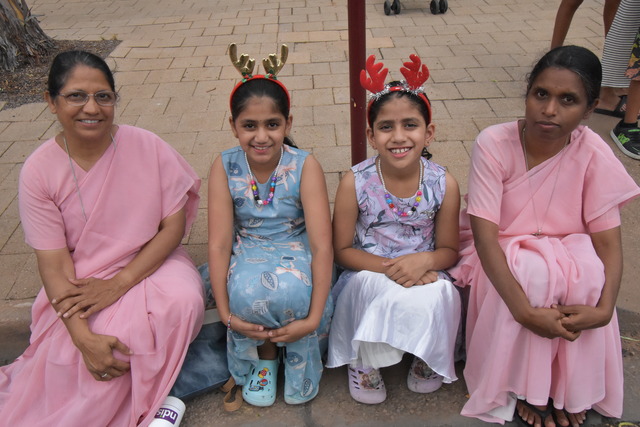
[
  {"x": 532, "y": 417},
  {"x": 566, "y": 419}
]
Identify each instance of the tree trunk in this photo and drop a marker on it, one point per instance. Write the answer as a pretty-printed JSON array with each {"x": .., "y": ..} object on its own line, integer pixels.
[{"x": 21, "y": 38}]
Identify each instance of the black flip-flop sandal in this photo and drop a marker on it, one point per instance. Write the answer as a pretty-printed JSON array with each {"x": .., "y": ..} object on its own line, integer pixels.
[
  {"x": 618, "y": 111},
  {"x": 543, "y": 414}
]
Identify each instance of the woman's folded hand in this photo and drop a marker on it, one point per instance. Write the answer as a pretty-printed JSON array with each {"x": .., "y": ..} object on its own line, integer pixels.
[
  {"x": 98, "y": 354},
  {"x": 90, "y": 296}
]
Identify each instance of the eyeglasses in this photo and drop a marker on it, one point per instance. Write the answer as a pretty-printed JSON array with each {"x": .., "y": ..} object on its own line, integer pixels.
[{"x": 104, "y": 98}]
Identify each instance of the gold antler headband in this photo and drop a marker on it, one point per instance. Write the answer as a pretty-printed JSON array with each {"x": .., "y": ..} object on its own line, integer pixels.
[
  {"x": 272, "y": 65},
  {"x": 244, "y": 65}
]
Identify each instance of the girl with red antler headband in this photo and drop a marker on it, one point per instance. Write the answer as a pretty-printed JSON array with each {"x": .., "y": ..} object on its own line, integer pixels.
[{"x": 395, "y": 230}]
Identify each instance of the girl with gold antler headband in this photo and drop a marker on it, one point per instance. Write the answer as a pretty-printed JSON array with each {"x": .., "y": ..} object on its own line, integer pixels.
[
  {"x": 270, "y": 253},
  {"x": 395, "y": 230}
]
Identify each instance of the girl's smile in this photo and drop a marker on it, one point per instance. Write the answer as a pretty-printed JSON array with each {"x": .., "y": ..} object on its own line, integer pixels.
[{"x": 400, "y": 152}]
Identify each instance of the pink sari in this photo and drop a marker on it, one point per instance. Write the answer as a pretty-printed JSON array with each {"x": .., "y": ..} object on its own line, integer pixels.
[
  {"x": 126, "y": 194},
  {"x": 568, "y": 196}
]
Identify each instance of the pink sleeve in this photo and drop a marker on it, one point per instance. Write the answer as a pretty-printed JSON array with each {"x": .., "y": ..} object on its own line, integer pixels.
[
  {"x": 608, "y": 220},
  {"x": 41, "y": 219},
  {"x": 485, "y": 183},
  {"x": 607, "y": 183}
]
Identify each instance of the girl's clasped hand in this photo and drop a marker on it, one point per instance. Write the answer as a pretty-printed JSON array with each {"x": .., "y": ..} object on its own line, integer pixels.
[{"x": 408, "y": 270}]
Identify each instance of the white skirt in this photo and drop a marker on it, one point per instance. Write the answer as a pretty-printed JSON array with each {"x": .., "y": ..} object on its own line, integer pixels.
[{"x": 376, "y": 321}]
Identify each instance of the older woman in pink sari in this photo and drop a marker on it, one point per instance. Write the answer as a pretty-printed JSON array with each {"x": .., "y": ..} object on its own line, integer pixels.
[
  {"x": 105, "y": 207},
  {"x": 542, "y": 255}
]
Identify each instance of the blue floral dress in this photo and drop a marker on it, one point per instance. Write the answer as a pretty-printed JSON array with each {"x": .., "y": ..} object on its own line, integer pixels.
[
  {"x": 377, "y": 320},
  {"x": 269, "y": 281}
]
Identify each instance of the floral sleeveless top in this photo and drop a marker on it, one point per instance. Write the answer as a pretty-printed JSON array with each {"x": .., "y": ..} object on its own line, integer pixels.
[{"x": 381, "y": 231}]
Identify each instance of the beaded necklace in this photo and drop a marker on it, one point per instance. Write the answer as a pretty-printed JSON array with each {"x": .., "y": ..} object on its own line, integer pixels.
[
  {"x": 272, "y": 184},
  {"x": 387, "y": 195}
]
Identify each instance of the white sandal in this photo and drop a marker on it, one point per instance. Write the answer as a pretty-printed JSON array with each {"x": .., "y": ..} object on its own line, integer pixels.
[
  {"x": 421, "y": 378},
  {"x": 366, "y": 385}
]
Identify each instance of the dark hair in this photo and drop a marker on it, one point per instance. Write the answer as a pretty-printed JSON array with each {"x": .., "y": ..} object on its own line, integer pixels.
[
  {"x": 376, "y": 105},
  {"x": 578, "y": 59},
  {"x": 64, "y": 63},
  {"x": 259, "y": 88}
]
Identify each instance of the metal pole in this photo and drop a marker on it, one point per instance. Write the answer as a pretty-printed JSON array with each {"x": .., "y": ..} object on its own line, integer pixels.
[{"x": 357, "y": 52}]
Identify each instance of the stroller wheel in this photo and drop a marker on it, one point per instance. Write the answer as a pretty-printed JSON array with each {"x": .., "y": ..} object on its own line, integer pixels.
[
  {"x": 444, "y": 5},
  {"x": 395, "y": 7},
  {"x": 434, "y": 7},
  {"x": 387, "y": 8}
]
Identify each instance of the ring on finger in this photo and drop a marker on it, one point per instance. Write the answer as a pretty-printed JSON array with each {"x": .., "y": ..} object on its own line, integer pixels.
[{"x": 105, "y": 375}]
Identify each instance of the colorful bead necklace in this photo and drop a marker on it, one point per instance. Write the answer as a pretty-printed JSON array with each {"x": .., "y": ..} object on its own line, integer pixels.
[
  {"x": 272, "y": 184},
  {"x": 387, "y": 194}
]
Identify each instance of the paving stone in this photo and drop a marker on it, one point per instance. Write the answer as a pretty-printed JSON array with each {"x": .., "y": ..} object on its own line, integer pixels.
[
  {"x": 178, "y": 90},
  {"x": 28, "y": 281},
  {"x": 144, "y": 52},
  {"x": 10, "y": 268},
  {"x": 477, "y": 90},
  {"x": 199, "y": 255},
  {"x": 140, "y": 106},
  {"x": 18, "y": 151},
  {"x": 16, "y": 244},
  {"x": 512, "y": 89},
  {"x": 130, "y": 77},
  {"x": 333, "y": 159},
  {"x": 197, "y": 122},
  {"x": 214, "y": 142},
  {"x": 447, "y": 152},
  {"x": 437, "y": 91},
  {"x": 456, "y": 129},
  {"x": 183, "y": 142},
  {"x": 309, "y": 137},
  {"x": 19, "y": 114},
  {"x": 198, "y": 41},
  {"x": 507, "y": 107},
  {"x": 142, "y": 92}
]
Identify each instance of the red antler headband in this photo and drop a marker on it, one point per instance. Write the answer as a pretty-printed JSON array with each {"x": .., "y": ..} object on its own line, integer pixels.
[
  {"x": 415, "y": 73},
  {"x": 272, "y": 66}
]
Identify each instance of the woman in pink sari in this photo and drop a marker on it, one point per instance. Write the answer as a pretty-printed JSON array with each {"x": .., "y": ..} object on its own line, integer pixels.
[
  {"x": 105, "y": 207},
  {"x": 542, "y": 255}
]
